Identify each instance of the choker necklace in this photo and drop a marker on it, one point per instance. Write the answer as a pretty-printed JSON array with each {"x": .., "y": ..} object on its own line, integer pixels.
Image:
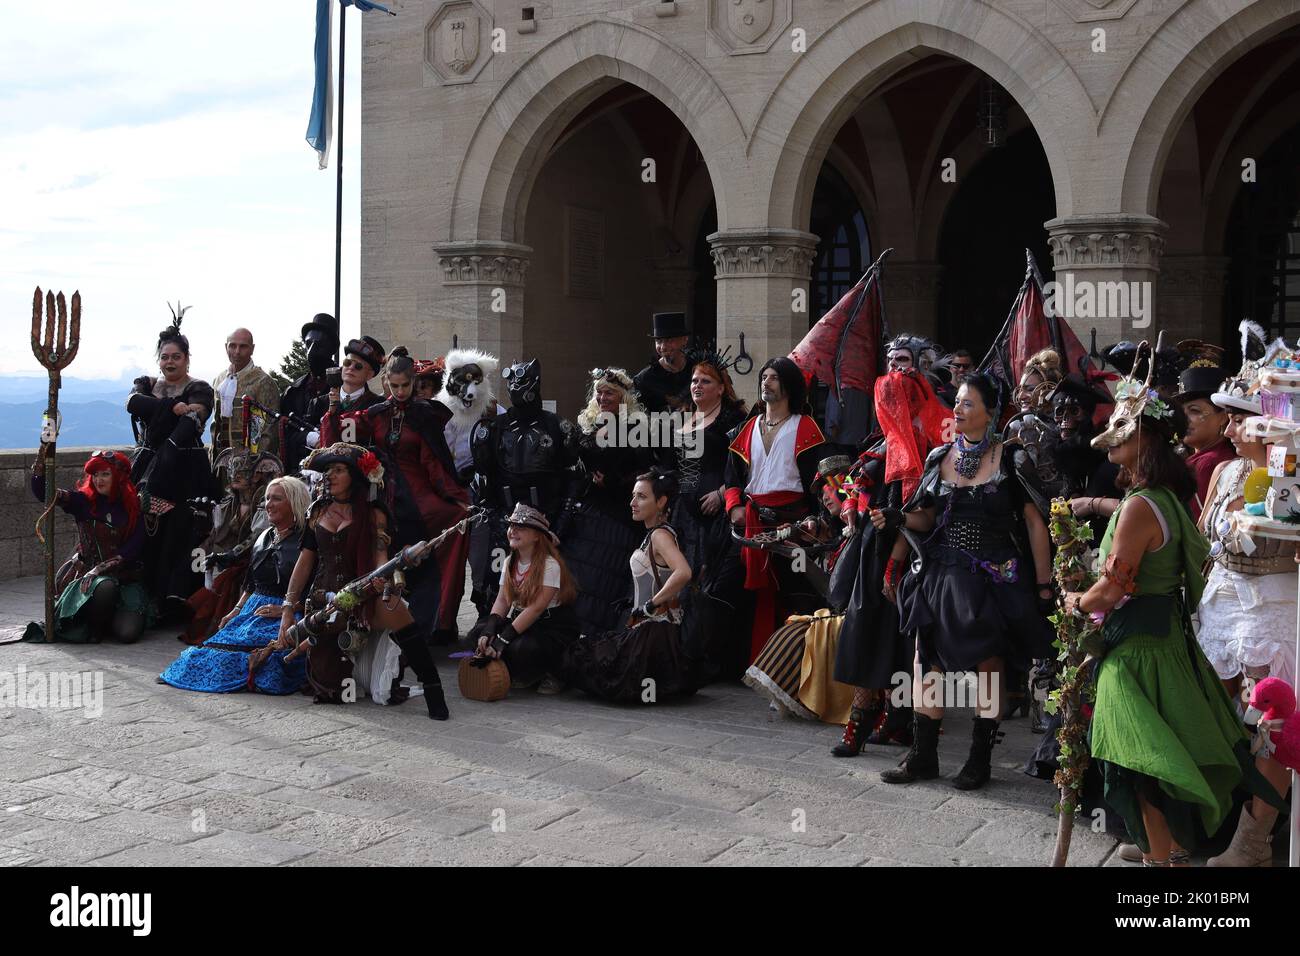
[
  {"x": 968, "y": 456},
  {"x": 774, "y": 424}
]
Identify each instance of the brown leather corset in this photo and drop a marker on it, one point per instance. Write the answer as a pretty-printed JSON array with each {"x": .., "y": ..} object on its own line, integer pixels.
[{"x": 334, "y": 562}]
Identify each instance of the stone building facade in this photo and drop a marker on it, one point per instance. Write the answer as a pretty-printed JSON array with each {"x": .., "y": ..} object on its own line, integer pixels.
[{"x": 539, "y": 176}]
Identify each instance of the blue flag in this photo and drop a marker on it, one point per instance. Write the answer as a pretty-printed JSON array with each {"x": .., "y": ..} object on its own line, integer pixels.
[{"x": 320, "y": 125}]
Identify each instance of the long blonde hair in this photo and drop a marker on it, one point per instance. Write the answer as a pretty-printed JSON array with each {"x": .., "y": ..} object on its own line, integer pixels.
[{"x": 527, "y": 592}]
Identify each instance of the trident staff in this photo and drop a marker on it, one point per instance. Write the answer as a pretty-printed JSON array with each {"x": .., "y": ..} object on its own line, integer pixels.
[{"x": 55, "y": 350}]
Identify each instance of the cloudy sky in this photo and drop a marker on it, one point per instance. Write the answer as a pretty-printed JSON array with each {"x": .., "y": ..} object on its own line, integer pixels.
[{"x": 150, "y": 151}]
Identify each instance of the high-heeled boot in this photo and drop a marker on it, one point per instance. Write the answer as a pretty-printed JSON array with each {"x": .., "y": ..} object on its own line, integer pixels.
[
  {"x": 417, "y": 655},
  {"x": 897, "y": 728},
  {"x": 979, "y": 764},
  {"x": 921, "y": 762},
  {"x": 861, "y": 720}
]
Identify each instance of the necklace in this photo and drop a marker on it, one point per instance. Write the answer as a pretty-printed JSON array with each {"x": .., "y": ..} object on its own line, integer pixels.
[
  {"x": 775, "y": 423},
  {"x": 968, "y": 456}
]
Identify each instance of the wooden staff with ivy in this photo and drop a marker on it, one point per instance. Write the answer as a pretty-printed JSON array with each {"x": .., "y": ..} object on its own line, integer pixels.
[{"x": 1076, "y": 637}]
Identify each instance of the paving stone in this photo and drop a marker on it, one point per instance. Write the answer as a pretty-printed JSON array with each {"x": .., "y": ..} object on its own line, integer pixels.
[
  {"x": 155, "y": 826},
  {"x": 166, "y": 855},
  {"x": 129, "y": 790},
  {"x": 334, "y": 832},
  {"x": 75, "y": 844},
  {"x": 755, "y": 852},
  {"x": 257, "y": 847},
  {"x": 228, "y": 811},
  {"x": 421, "y": 848},
  {"x": 687, "y": 789}
]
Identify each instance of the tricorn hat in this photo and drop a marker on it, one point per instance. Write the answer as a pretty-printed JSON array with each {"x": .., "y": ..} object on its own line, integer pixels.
[
  {"x": 368, "y": 350},
  {"x": 526, "y": 516},
  {"x": 668, "y": 325}
]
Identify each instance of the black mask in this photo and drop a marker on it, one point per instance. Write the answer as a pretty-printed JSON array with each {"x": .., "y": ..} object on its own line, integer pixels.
[
  {"x": 322, "y": 351},
  {"x": 524, "y": 382}
]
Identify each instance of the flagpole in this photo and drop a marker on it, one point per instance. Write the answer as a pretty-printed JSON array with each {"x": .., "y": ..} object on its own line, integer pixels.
[{"x": 338, "y": 202}]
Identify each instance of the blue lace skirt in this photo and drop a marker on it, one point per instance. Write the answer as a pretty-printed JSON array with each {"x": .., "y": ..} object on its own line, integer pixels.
[{"x": 220, "y": 664}]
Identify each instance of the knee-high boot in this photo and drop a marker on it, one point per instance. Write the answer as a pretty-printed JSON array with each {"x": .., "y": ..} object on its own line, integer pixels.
[{"x": 416, "y": 652}]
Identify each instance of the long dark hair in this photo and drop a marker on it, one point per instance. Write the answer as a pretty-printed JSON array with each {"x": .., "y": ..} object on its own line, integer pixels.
[
  {"x": 792, "y": 383},
  {"x": 1158, "y": 463}
]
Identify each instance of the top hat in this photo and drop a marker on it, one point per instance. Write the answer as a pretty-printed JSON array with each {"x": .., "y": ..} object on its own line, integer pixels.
[
  {"x": 669, "y": 325},
  {"x": 526, "y": 516},
  {"x": 1200, "y": 381},
  {"x": 323, "y": 322},
  {"x": 368, "y": 350}
]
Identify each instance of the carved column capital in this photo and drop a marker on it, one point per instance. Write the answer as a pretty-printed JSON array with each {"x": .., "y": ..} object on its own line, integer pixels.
[
  {"x": 489, "y": 262},
  {"x": 763, "y": 253},
  {"x": 1106, "y": 241}
]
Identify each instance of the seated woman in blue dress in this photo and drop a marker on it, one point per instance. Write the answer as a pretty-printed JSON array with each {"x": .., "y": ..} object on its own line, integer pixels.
[{"x": 221, "y": 663}]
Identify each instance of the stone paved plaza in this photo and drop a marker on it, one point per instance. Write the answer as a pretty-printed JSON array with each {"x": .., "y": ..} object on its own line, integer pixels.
[{"x": 176, "y": 778}]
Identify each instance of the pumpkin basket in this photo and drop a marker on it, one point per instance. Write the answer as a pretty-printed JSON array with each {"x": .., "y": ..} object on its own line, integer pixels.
[{"x": 488, "y": 683}]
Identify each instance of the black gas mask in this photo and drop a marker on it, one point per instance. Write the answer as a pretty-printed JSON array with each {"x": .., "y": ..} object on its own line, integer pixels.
[{"x": 524, "y": 382}]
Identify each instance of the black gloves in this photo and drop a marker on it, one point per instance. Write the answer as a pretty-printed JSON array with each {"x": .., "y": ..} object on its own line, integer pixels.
[
  {"x": 488, "y": 625},
  {"x": 1046, "y": 605},
  {"x": 504, "y": 637},
  {"x": 893, "y": 518}
]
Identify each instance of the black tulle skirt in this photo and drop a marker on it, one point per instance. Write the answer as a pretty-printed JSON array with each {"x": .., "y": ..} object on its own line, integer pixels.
[
  {"x": 597, "y": 547},
  {"x": 962, "y": 616},
  {"x": 872, "y": 648},
  {"x": 642, "y": 664}
]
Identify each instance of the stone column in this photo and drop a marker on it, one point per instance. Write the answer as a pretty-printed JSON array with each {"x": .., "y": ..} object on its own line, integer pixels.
[
  {"x": 912, "y": 298},
  {"x": 1106, "y": 268},
  {"x": 481, "y": 299},
  {"x": 757, "y": 271},
  {"x": 1191, "y": 296}
]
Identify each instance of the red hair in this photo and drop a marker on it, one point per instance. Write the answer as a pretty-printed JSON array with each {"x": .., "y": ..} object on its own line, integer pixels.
[{"x": 122, "y": 491}]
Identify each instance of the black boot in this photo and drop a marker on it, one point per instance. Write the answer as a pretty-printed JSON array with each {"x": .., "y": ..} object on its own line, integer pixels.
[
  {"x": 978, "y": 768},
  {"x": 922, "y": 761},
  {"x": 861, "y": 720},
  {"x": 417, "y": 655}
]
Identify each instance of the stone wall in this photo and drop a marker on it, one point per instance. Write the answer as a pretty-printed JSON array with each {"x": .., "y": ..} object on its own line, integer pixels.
[{"x": 21, "y": 553}]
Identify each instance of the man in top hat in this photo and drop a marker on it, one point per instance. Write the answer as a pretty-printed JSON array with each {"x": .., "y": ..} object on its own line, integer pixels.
[
  {"x": 1206, "y": 422},
  {"x": 241, "y": 377},
  {"x": 321, "y": 338},
  {"x": 665, "y": 382},
  {"x": 343, "y": 420}
]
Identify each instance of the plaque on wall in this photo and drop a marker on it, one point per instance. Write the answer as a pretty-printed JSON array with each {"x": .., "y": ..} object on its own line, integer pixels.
[{"x": 584, "y": 253}]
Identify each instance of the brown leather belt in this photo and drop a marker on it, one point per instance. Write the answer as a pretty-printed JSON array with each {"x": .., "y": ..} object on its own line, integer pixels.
[{"x": 1247, "y": 564}]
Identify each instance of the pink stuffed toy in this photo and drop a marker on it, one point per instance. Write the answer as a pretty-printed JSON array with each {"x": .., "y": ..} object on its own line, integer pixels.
[{"x": 1272, "y": 706}]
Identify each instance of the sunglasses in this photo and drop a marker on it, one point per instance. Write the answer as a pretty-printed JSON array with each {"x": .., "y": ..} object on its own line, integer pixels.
[
  {"x": 960, "y": 367},
  {"x": 510, "y": 373},
  {"x": 354, "y": 363}
]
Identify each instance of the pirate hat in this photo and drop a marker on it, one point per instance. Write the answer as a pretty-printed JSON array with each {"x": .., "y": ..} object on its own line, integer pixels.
[{"x": 526, "y": 516}]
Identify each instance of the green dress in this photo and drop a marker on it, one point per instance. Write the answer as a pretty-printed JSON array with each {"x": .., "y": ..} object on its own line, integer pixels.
[{"x": 1163, "y": 725}]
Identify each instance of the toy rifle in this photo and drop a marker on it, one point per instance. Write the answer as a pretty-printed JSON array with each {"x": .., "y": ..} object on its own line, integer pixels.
[
  {"x": 55, "y": 350},
  {"x": 355, "y": 593}
]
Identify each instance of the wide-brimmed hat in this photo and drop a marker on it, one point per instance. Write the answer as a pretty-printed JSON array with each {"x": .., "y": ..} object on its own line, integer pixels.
[
  {"x": 832, "y": 464},
  {"x": 1234, "y": 395},
  {"x": 361, "y": 460},
  {"x": 668, "y": 325},
  {"x": 368, "y": 350},
  {"x": 526, "y": 516}
]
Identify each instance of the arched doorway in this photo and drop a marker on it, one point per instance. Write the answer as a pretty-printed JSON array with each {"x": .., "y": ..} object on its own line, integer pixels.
[{"x": 614, "y": 220}]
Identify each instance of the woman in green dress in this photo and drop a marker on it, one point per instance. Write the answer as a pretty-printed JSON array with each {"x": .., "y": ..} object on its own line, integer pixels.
[{"x": 1169, "y": 742}]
